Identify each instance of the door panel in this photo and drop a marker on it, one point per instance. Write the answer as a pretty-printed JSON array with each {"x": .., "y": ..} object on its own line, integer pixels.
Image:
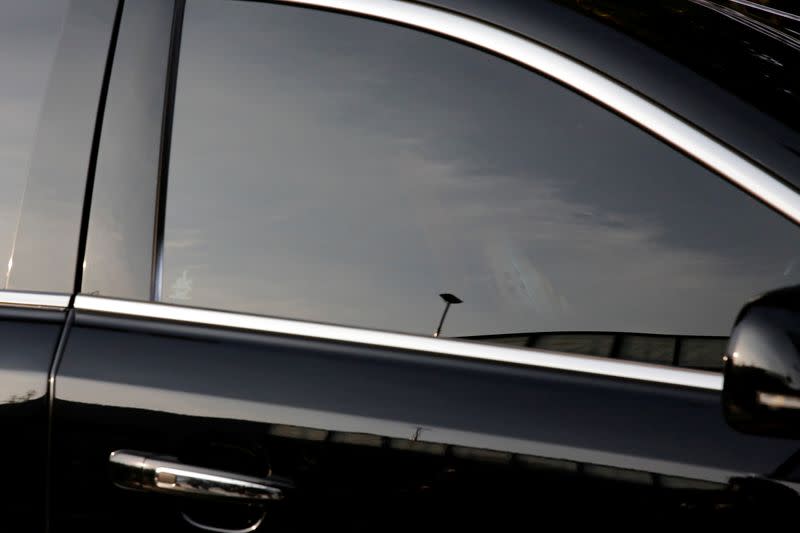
[
  {"x": 372, "y": 436},
  {"x": 375, "y": 436},
  {"x": 29, "y": 340}
]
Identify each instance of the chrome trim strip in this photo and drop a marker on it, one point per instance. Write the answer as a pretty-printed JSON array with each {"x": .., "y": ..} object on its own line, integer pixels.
[
  {"x": 767, "y": 9},
  {"x": 34, "y": 299},
  {"x": 202, "y": 527},
  {"x": 727, "y": 162},
  {"x": 150, "y": 473},
  {"x": 447, "y": 347}
]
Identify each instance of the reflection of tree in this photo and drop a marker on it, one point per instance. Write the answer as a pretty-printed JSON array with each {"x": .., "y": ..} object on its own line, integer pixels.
[
  {"x": 19, "y": 398},
  {"x": 790, "y": 6},
  {"x": 750, "y": 52}
]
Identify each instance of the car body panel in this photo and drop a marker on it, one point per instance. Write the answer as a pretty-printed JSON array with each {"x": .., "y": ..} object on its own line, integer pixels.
[
  {"x": 362, "y": 430},
  {"x": 373, "y": 434},
  {"x": 30, "y": 337}
]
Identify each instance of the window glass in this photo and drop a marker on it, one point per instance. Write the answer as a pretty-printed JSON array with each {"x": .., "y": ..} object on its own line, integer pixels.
[
  {"x": 29, "y": 36},
  {"x": 337, "y": 169}
]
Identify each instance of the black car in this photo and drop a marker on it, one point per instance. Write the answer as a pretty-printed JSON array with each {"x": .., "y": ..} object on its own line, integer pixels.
[{"x": 381, "y": 264}]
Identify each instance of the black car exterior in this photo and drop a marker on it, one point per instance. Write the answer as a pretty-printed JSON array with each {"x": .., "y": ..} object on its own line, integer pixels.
[{"x": 387, "y": 264}]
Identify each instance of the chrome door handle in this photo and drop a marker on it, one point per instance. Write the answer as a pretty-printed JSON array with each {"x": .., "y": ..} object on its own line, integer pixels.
[{"x": 148, "y": 472}]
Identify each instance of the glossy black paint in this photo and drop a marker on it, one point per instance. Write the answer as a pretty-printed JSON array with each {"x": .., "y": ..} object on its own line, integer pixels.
[
  {"x": 368, "y": 433},
  {"x": 28, "y": 339},
  {"x": 663, "y": 50},
  {"x": 761, "y": 394}
]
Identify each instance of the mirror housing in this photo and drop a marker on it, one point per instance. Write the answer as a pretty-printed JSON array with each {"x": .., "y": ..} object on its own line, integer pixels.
[{"x": 761, "y": 392}]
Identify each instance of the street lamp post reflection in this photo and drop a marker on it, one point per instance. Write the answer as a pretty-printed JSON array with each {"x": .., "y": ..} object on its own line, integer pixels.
[{"x": 450, "y": 299}]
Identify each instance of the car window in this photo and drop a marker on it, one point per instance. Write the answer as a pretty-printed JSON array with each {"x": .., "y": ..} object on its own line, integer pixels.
[
  {"x": 337, "y": 169},
  {"x": 29, "y": 37}
]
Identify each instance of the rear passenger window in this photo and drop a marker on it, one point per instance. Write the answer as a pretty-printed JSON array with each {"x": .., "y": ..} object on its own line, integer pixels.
[
  {"x": 29, "y": 36},
  {"x": 337, "y": 169}
]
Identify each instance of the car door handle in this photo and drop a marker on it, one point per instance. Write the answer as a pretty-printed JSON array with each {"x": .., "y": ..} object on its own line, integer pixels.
[{"x": 148, "y": 472}]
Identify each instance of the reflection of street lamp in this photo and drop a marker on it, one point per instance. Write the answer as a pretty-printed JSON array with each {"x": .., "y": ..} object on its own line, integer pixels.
[{"x": 450, "y": 299}]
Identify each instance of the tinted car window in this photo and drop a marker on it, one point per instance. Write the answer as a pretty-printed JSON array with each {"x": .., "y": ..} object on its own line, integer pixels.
[
  {"x": 338, "y": 169},
  {"x": 29, "y": 36}
]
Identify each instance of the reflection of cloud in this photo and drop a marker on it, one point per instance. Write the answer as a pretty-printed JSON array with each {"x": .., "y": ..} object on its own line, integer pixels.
[{"x": 382, "y": 180}]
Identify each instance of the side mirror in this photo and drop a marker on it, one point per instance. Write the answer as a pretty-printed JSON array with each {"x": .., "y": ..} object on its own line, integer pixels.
[{"x": 761, "y": 393}]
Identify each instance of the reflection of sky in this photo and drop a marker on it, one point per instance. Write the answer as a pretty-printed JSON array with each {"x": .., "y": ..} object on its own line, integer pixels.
[
  {"x": 29, "y": 33},
  {"x": 346, "y": 171}
]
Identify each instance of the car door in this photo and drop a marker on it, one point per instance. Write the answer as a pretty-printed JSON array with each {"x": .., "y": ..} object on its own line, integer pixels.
[
  {"x": 366, "y": 434},
  {"x": 30, "y": 332},
  {"x": 391, "y": 279},
  {"x": 52, "y": 63}
]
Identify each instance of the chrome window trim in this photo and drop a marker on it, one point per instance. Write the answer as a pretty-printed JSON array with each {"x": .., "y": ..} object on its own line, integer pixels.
[
  {"x": 650, "y": 116},
  {"x": 766, "y": 9},
  {"x": 435, "y": 346},
  {"x": 34, "y": 299}
]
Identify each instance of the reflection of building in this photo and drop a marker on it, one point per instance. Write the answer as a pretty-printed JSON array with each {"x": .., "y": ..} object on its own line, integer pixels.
[{"x": 672, "y": 350}]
